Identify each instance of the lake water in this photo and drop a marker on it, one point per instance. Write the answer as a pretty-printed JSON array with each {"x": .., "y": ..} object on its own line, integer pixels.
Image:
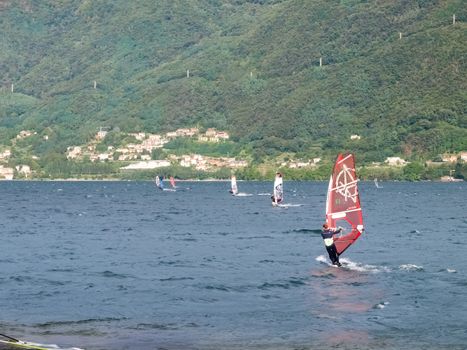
[{"x": 122, "y": 265}]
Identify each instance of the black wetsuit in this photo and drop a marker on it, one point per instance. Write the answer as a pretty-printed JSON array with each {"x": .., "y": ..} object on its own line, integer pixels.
[
  {"x": 332, "y": 251},
  {"x": 274, "y": 200}
]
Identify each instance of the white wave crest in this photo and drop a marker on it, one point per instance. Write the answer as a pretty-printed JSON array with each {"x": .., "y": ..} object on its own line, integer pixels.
[
  {"x": 411, "y": 267},
  {"x": 381, "y": 305}
]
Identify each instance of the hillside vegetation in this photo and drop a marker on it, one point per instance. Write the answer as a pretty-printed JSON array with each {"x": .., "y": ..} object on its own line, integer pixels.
[{"x": 253, "y": 71}]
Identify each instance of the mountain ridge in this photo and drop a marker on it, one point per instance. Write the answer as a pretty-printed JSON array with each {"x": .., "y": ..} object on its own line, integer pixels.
[{"x": 250, "y": 67}]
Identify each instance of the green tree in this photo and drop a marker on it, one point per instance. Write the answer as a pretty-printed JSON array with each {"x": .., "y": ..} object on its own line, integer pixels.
[{"x": 413, "y": 171}]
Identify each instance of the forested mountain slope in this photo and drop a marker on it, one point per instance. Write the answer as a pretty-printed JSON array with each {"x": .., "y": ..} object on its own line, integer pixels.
[{"x": 254, "y": 70}]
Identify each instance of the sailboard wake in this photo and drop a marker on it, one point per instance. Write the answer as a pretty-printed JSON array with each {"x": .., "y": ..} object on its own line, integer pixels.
[
  {"x": 288, "y": 205},
  {"x": 352, "y": 265},
  {"x": 13, "y": 343},
  {"x": 243, "y": 194}
]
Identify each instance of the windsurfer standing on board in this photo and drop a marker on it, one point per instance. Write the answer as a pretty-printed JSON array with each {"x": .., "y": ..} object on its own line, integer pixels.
[
  {"x": 277, "y": 195},
  {"x": 328, "y": 237}
]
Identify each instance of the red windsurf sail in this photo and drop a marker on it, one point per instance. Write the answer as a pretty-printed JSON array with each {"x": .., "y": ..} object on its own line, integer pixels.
[{"x": 343, "y": 202}]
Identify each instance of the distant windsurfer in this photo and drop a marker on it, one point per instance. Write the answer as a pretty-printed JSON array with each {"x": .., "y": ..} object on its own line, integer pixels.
[
  {"x": 277, "y": 196},
  {"x": 233, "y": 185},
  {"x": 160, "y": 182},
  {"x": 328, "y": 237},
  {"x": 172, "y": 182}
]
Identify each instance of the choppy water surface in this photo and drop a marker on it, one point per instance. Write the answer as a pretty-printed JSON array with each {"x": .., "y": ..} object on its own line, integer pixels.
[{"x": 122, "y": 265}]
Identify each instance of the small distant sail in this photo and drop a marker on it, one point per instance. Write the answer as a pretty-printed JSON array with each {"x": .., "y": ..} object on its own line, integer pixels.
[
  {"x": 278, "y": 193},
  {"x": 160, "y": 182},
  {"x": 343, "y": 201},
  {"x": 233, "y": 185},
  {"x": 161, "y": 185},
  {"x": 172, "y": 182},
  {"x": 377, "y": 184}
]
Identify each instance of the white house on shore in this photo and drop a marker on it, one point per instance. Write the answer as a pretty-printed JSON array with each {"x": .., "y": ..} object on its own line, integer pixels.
[
  {"x": 5, "y": 155},
  {"x": 74, "y": 152},
  {"x": 395, "y": 161},
  {"x": 101, "y": 134},
  {"x": 6, "y": 173},
  {"x": 449, "y": 158},
  {"x": 25, "y": 133},
  {"x": 24, "y": 170}
]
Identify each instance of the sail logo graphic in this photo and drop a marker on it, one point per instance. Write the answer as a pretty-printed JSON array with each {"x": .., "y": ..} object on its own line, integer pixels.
[{"x": 346, "y": 184}]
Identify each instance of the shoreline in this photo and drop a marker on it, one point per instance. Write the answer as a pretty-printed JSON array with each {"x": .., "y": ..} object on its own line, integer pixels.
[{"x": 209, "y": 180}]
